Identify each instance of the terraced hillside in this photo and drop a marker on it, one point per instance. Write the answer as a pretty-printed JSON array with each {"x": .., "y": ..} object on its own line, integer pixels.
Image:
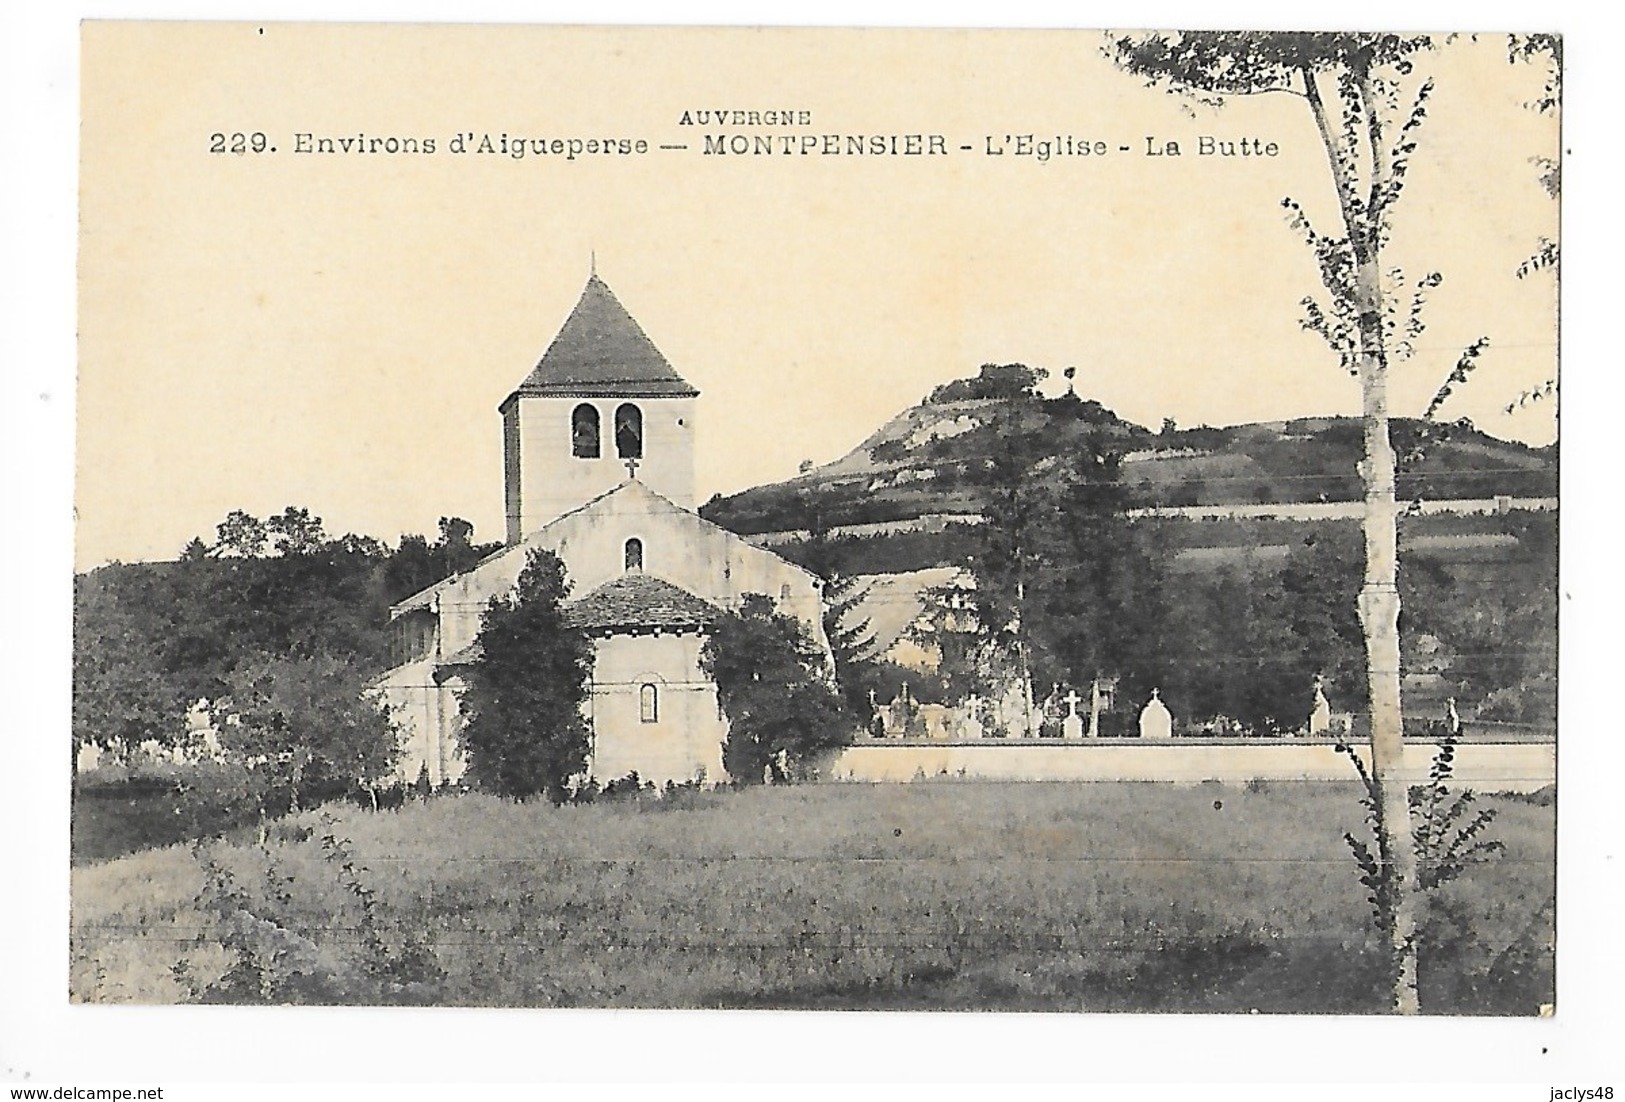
[{"x": 929, "y": 464}]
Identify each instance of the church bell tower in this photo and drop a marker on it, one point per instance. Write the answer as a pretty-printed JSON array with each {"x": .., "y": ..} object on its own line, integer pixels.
[{"x": 601, "y": 406}]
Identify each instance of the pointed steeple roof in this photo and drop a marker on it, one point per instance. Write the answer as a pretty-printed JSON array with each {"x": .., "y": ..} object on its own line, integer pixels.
[{"x": 602, "y": 352}]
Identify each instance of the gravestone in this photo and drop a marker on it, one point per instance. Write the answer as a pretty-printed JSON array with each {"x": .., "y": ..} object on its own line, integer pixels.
[
  {"x": 936, "y": 720},
  {"x": 970, "y": 718},
  {"x": 1320, "y": 715},
  {"x": 1102, "y": 698},
  {"x": 1051, "y": 712},
  {"x": 90, "y": 756},
  {"x": 900, "y": 714},
  {"x": 1072, "y": 725},
  {"x": 1155, "y": 720},
  {"x": 1012, "y": 710}
]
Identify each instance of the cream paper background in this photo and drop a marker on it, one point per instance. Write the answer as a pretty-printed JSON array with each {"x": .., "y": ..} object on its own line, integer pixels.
[
  {"x": 218, "y": 370},
  {"x": 335, "y": 331}
]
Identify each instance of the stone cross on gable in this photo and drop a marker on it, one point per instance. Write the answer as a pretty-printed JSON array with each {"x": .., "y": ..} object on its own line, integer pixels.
[{"x": 631, "y": 466}]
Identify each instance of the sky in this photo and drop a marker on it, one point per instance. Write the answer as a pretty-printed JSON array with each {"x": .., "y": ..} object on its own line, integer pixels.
[{"x": 336, "y": 331}]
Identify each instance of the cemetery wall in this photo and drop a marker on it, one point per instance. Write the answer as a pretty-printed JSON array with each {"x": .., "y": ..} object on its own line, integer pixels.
[{"x": 1510, "y": 766}]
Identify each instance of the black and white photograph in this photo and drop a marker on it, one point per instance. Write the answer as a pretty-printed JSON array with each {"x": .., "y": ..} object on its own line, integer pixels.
[{"x": 1054, "y": 522}]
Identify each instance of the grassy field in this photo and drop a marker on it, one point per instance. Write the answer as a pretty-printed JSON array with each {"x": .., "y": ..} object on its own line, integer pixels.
[{"x": 922, "y": 896}]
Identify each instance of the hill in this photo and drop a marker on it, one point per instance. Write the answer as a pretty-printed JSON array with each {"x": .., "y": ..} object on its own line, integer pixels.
[
  {"x": 928, "y": 464},
  {"x": 1251, "y": 552}
]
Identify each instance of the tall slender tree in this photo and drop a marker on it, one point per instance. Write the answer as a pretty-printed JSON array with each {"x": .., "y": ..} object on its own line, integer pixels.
[{"x": 1368, "y": 103}]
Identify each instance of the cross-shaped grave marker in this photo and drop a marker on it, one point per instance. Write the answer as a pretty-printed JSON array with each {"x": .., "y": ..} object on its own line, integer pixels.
[{"x": 1072, "y": 725}]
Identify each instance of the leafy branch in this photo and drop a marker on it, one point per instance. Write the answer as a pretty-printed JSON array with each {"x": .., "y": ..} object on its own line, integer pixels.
[{"x": 1458, "y": 375}]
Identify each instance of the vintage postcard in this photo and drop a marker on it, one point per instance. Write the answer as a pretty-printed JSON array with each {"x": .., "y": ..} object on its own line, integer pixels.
[{"x": 817, "y": 519}]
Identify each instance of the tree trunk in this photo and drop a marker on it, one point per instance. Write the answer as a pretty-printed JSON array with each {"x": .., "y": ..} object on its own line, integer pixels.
[
  {"x": 1379, "y": 596},
  {"x": 1379, "y": 617},
  {"x": 298, "y": 779}
]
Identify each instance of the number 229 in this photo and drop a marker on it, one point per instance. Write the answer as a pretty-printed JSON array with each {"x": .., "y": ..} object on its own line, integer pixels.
[{"x": 238, "y": 143}]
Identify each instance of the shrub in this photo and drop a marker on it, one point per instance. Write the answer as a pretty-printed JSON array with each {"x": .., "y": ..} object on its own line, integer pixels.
[
  {"x": 776, "y": 690},
  {"x": 1005, "y": 381},
  {"x": 272, "y": 957}
]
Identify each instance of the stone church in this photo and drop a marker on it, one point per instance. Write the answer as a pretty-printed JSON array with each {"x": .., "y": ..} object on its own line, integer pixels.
[{"x": 598, "y": 465}]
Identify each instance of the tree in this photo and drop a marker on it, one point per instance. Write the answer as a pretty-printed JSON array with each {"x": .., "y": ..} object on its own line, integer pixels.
[
  {"x": 775, "y": 687},
  {"x": 996, "y": 381},
  {"x": 121, "y": 694},
  {"x": 1247, "y": 641},
  {"x": 240, "y": 535},
  {"x": 1068, "y": 588},
  {"x": 152, "y": 639},
  {"x": 525, "y": 733},
  {"x": 295, "y": 532},
  {"x": 1547, "y": 50},
  {"x": 851, "y": 642},
  {"x": 456, "y": 548},
  {"x": 418, "y": 564},
  {"x": 1368, "y": 138},
  {"x": 305, "y": 725}
]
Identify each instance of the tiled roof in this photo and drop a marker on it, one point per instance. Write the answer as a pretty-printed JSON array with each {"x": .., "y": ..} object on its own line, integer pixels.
[
  {"x": 602, "y": 352},
  {"x": 638, "y": 601}
]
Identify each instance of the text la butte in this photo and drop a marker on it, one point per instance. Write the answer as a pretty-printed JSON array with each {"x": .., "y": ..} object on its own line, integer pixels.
[
  {"x": 1209, "y": 146},
  {"x": 1063, "y": 145}
]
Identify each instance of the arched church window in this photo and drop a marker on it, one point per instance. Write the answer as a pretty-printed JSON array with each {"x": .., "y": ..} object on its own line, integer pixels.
[
  {"x": 634, "y": 555},
  {"x": 649, "y": 704},
  {"x": 629, "y": 431},
  {"x": 584, "y": 432}
]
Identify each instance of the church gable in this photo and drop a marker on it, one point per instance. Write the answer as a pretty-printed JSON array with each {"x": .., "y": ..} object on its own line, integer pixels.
[
  {"x": 679, "y": 546},
  {"x": 630, "y": 530}
]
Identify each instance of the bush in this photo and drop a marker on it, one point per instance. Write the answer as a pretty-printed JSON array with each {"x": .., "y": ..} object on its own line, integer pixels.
[
  {"x": 1004, "y": 381},
  {"x": 271, "y": 951},
  {"x": 777, "y": 691}
]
